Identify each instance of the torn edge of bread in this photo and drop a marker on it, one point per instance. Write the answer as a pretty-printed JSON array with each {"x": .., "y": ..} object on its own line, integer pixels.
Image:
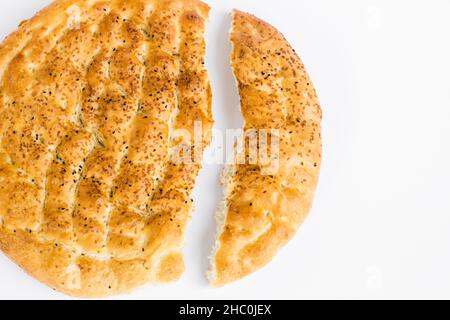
[
  {"x": 221, "y": 218},
  {"x": 226, "y": 183}
]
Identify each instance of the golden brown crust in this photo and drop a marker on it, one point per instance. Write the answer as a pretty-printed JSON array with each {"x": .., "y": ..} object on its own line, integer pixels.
[
  {"x": 90, "y": 201},
  {"x": 263, "y": 212}
]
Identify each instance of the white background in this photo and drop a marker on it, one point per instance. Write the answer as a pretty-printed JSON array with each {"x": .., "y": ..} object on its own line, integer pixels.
[{"x": 380, "y": 227}]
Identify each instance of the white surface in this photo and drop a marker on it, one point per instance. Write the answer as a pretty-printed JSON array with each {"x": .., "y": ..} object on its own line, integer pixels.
[{"x": 380, "y": 227}]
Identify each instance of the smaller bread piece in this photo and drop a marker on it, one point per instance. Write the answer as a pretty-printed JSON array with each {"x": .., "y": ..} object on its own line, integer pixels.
[{"x": 262, "y": 212}]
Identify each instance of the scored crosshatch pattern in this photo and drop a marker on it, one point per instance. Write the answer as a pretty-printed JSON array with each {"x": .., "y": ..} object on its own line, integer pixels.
[{"x": 91, "y": 203}]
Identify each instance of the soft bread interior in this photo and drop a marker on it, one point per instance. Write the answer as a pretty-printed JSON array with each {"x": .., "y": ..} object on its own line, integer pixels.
[{"x": 221, "y": 217}]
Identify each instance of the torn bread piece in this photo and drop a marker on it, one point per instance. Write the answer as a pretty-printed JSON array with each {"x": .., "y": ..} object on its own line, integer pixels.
[
  {"x": 263, "y": 209},
  {"x": 91, "y": 92}
]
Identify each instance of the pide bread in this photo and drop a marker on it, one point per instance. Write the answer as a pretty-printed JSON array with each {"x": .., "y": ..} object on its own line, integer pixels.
[
  {"x": 96, "y": 98},
  {"x": 91, "y": 202},
  {"x": 263, "y": 210}
]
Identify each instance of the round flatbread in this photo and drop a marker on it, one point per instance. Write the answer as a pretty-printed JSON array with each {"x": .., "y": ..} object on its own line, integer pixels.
[{"x": 91, "y": 202}]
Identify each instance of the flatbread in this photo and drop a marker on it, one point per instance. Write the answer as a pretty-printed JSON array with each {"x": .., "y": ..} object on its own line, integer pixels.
[
  {"x": 264, "y": 209},
  {"x": 91, "y": 202}
]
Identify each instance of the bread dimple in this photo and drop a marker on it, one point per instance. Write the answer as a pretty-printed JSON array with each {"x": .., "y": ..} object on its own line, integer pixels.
[
  {"x": 265, "y": 209},
  {"x": 90, "y": 92}
]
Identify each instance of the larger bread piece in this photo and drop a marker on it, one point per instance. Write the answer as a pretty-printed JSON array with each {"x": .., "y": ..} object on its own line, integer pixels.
[
  {"x": 91, "y": 92},
  {"x": 264, "y": 207}
]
